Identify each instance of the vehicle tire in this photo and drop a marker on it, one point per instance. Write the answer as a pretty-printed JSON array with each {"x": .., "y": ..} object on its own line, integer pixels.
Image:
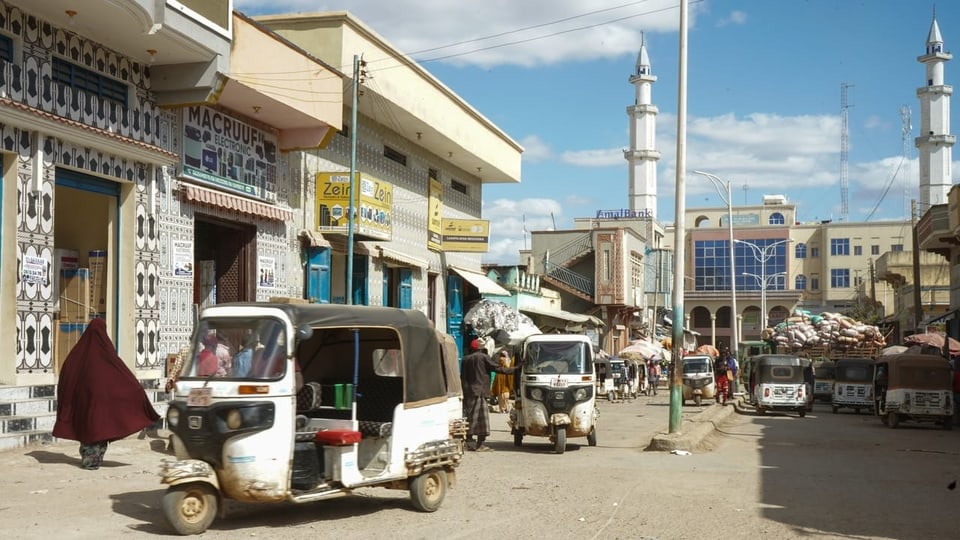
[
  {"x": 190, "y": 508},
  {"x": 885, "y": 420},
  {"x": 592, "y": 437},
  {"x": 560, "y": 440},
  {"x": 761, "y": 411},
  {"x": 803, "y": 412},
  {"x": 948, "y": 424},
  {"x": 428, "y": 490},
  {"x": 893, "y": 420},
  {"x": 518, "y": 439},
  {"x": 856, "y": 410},
  {"x": 697, "y": 400},
  {"x": 835, "y": 409}
]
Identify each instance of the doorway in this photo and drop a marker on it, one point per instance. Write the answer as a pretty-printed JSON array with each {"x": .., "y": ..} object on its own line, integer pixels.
[{"x": 224, "y": 259}]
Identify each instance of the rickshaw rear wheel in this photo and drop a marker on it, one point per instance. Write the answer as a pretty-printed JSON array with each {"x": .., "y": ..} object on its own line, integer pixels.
[
  {"x": 428, "y": 490},
  {"x": 592, "y": 437},
  {"x": 835, "y": 409},
  {"x": 893, "y": 420},
  {"x": 885, "y": 420},
  {"x": 948, "y": 424},
  {"x": 560, "y": 440},
  {"x": 190, "y": 508},
  {"x": 803, "y": 412}
]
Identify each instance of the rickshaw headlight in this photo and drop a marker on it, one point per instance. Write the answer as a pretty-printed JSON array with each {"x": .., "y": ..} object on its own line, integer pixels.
[
  {"x": 173, "y": 417},
  {"x": 234, "y": 419},
  {"x": 536, "y": 393},
  {"x": 580, "y": 394}
]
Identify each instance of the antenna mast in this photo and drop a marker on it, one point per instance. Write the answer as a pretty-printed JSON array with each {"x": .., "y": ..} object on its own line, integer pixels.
[
  {"x": 907, "y": 128},
  {"x": 844, "y": 149}
]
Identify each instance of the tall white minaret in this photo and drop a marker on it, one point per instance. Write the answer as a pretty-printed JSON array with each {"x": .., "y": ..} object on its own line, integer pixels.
[
  {"x": 642, "y": 157},
  {"x": 934, "y": 145}
]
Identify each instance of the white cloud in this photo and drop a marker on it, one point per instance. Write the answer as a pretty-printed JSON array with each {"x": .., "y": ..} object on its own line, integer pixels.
[
  {"x": 735, "y": 17},
  {"x": 535, "y": 150},
  {"x": 500, "y": 32},
  {"x": 594, "y": 158}
]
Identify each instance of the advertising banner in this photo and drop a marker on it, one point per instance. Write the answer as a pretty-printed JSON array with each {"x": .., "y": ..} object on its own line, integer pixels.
[
  {"x": 229, "y": 154},
  {"x": 435, "y": 216},
  {"x": 373, "y": 206},
  {"x": 469, "y": 235}
]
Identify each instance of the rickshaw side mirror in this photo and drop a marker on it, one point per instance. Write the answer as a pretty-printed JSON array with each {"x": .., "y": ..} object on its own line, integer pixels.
[{"x": 304, "y": 332}]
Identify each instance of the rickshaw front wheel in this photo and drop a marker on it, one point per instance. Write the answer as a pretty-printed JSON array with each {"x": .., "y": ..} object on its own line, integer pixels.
[
  {"x": 190, "y": 508},
  {"x": 697, "y": 399},
  {"x": 893, "y": 420},
  {"x": 428, "y": 490},
  {"x": 560, "y": 440}
]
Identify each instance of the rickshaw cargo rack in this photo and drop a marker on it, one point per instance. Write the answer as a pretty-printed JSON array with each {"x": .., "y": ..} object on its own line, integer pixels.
[{"x": 832, "y": 352}]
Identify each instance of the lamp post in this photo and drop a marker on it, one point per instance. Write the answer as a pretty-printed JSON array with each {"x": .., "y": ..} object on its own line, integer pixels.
[
  {"x": 717, "y": 184},
  {"x": 763, "y": 281},
  {"x": 763, "y": 255}
]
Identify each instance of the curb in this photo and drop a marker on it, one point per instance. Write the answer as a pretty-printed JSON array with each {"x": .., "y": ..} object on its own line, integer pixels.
[{"x": 695, "y": 429}]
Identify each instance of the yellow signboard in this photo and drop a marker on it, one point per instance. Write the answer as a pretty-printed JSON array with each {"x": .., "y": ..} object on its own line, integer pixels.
[
  {"x": 470, "y": 235},
  {"x": 373, "y": 205},
  {"x": 435, "y": 215}
]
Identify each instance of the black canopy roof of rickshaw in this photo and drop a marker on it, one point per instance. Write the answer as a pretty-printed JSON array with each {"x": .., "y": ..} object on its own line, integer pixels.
[
  {"x": 419, "y": 340},
  {"x": 920, "y": 360}
]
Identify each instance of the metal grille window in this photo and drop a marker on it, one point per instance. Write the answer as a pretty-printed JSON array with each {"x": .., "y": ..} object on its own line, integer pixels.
[
  {"x": 839, "y": 278},
  {"x": 458, "y": 186},
  {"x": 89, "y": 81},
  {"x": 839, "y": 246},
  {"x": 6, "y": 48},
  {"x": 394, "y": 155}
]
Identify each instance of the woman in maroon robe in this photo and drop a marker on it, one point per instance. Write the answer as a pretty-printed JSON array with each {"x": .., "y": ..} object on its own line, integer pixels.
[{"x": 98, "y": 398}]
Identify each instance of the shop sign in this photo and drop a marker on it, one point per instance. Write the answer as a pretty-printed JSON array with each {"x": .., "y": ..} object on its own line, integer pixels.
[
  {"x": 469, "y": 235},
  {"x": 33, "y": 270},
  {"x": 183, "y": 258},
  {"x": 229, "y": 154},
  {"x": 435, "y": 215},
  {"x": 625, "y": 213},
  {"x": 741, "y": 220},
  {"x": 267, "y": 271},
  {"x": 373, "y": 205}
]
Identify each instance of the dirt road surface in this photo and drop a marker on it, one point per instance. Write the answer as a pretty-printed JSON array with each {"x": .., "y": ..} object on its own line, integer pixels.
[{"x": 777, "y": 476}]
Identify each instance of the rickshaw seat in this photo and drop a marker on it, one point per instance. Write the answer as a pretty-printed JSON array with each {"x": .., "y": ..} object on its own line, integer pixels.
[
  {"x": 337, "y": 437},
  {"x": 308, "y": 397},
  {"x": 375, "y": 429}
]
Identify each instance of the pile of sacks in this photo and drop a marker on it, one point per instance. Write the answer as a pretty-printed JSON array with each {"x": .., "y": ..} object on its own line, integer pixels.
[{"x": 832, "y": 330}]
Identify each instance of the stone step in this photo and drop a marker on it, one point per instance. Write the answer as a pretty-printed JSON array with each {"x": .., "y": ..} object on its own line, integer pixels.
[
  {"x": 11, "y": 441},
  {"x": 24, "y": 407},
  {"x": 15, "y": 393}
]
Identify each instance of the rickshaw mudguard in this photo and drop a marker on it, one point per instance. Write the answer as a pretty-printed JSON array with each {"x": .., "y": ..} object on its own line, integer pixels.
[
  {"x": 559, "y": 419},
  {"x": 184, "y": 471}
]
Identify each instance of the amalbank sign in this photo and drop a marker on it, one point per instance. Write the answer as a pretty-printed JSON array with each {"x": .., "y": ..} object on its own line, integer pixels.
[{"x": 625, "y": 213}]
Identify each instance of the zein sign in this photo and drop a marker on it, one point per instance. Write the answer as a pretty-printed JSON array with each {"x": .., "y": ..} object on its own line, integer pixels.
[{"x": 373, "y": 206}]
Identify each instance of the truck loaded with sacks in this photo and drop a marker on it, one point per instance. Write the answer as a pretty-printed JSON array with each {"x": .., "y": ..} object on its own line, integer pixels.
[{"x": 834, "y": 334}]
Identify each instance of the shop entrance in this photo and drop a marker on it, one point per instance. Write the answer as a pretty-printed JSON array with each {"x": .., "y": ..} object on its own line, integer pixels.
[{"x": 224, "y": 257}]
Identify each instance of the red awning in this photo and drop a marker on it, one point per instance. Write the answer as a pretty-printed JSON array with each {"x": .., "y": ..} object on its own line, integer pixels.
[{"x": 219, "y": 199}]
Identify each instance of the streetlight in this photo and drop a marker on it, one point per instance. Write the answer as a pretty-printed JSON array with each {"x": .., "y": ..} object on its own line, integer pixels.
[
  {"x": 763, "y": 255},
  {"x": 717, "y": 184},
  {"x": 764, "y": 281}
]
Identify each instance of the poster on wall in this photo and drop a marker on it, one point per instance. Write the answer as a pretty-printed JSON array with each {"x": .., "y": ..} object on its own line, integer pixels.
[
  {"x": 467, "y": 235},
  {"x": 33, "y": 270},
  {"x": 267, "y": 270},
  {"x": 229, "y": 154},
  {"x": 373, "y": 205},
  {"x": 435, "y": 215},
  {"x": 183, "y": 258}
]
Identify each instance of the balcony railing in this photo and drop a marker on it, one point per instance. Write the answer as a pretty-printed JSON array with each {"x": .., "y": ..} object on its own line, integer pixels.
[{"x": 568, "y": 277}]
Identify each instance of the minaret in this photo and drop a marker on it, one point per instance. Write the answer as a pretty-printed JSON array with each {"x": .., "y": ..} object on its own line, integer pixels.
[
  {"x": 934, "y": 145},
  {"x": 642, "y": 157}
]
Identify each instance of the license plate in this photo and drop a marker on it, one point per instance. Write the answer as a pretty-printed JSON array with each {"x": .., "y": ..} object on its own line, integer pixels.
[
  {"x": 558, "y": 383},
  {"x": 200, "y": 397}
]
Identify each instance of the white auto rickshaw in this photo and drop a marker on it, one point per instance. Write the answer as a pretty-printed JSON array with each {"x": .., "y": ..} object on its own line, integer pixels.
[
  {"x": 380, "y": 405},
  {"x": 556, "y": 396},
  {"x": 915, "y": 387}
]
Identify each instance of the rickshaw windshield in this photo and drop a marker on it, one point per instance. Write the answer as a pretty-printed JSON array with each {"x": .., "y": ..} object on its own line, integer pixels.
[
  {"x": 825, "y": 372},
  {"x": 855, "y": 373},
  {"x": 693, "y": 366},
  {"x": 558, "y": 357},
  {"x": 235, "y": 348},
  {"x": 780, "y": 374}
]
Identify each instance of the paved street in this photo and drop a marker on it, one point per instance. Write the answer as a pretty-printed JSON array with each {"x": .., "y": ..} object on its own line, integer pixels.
[{"x": 777, "y": 476}]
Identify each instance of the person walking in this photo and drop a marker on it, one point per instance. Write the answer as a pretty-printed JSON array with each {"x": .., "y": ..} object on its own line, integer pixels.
[
  {"x": 502, "y": 383},
  {"x": 654, "y": 369},
  {"x": 733, "y": 368},
  {"x": 99, "y": 400},
  {"x": 475, "y": 370}
]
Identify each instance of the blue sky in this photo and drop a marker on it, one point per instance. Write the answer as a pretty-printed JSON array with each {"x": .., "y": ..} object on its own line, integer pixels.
[{"x": 763, "y": 96}]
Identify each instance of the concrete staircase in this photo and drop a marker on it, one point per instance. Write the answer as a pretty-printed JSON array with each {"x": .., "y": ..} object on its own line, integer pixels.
[{"x": 27, "y": 413}]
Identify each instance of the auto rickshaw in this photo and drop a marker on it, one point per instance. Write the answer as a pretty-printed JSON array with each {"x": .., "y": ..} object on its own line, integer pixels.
[
  {"x": 911, "y": 386},
  {"x": 556, "y": 396},
  {"x": 853, "y": 387},
  {"x": 698, "y": 378},
  {"x": 778, "y": 383},
  {"x": 380, "y": 405},
  {"x": 824, "y": 374}
]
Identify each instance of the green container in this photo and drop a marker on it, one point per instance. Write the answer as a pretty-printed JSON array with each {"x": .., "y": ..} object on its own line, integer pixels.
[{"x": 343, "y": 396}]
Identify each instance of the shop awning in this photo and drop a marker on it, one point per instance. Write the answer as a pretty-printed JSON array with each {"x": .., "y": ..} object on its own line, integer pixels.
[
  {"x": 564, "y": 315},
  {"x": 483, "y": 284},
  {"x": 313, "y": 238},
  {"x": 219, "y": 199},
  {"x": 397, "y": 257}
]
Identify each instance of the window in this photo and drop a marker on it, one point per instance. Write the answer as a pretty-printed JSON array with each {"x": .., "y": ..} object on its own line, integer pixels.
[
  {"x": 814, "y": 252},
  {"x": 394, "y": 155},
  {"x": 896, "y": 247},
  {"x": 800, "y": 252},
  {"x": 777, "y": 218},
  {"x": 839, "y": 246},
  {"x": 874, "y": 250},
  {"x": 458, "y": 186},
  {"x": 857, "y": 280},
  {"x": 800, "y": 283},
  {"x": 6, "y": 48},
  {"x": 839, "y": 278},
  {"x": 91, "y": 82},
  {"x": 858, "y": 250},
  {"x": 814, "y": 283}
]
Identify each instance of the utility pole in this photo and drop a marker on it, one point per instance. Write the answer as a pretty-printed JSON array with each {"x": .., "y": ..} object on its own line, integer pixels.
[
  {"x": 917, "y": 303},
  {"x": 679, "y": 254},
  {"x": 348, "y": 296},
  {"x": 873, "y": 283}
]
